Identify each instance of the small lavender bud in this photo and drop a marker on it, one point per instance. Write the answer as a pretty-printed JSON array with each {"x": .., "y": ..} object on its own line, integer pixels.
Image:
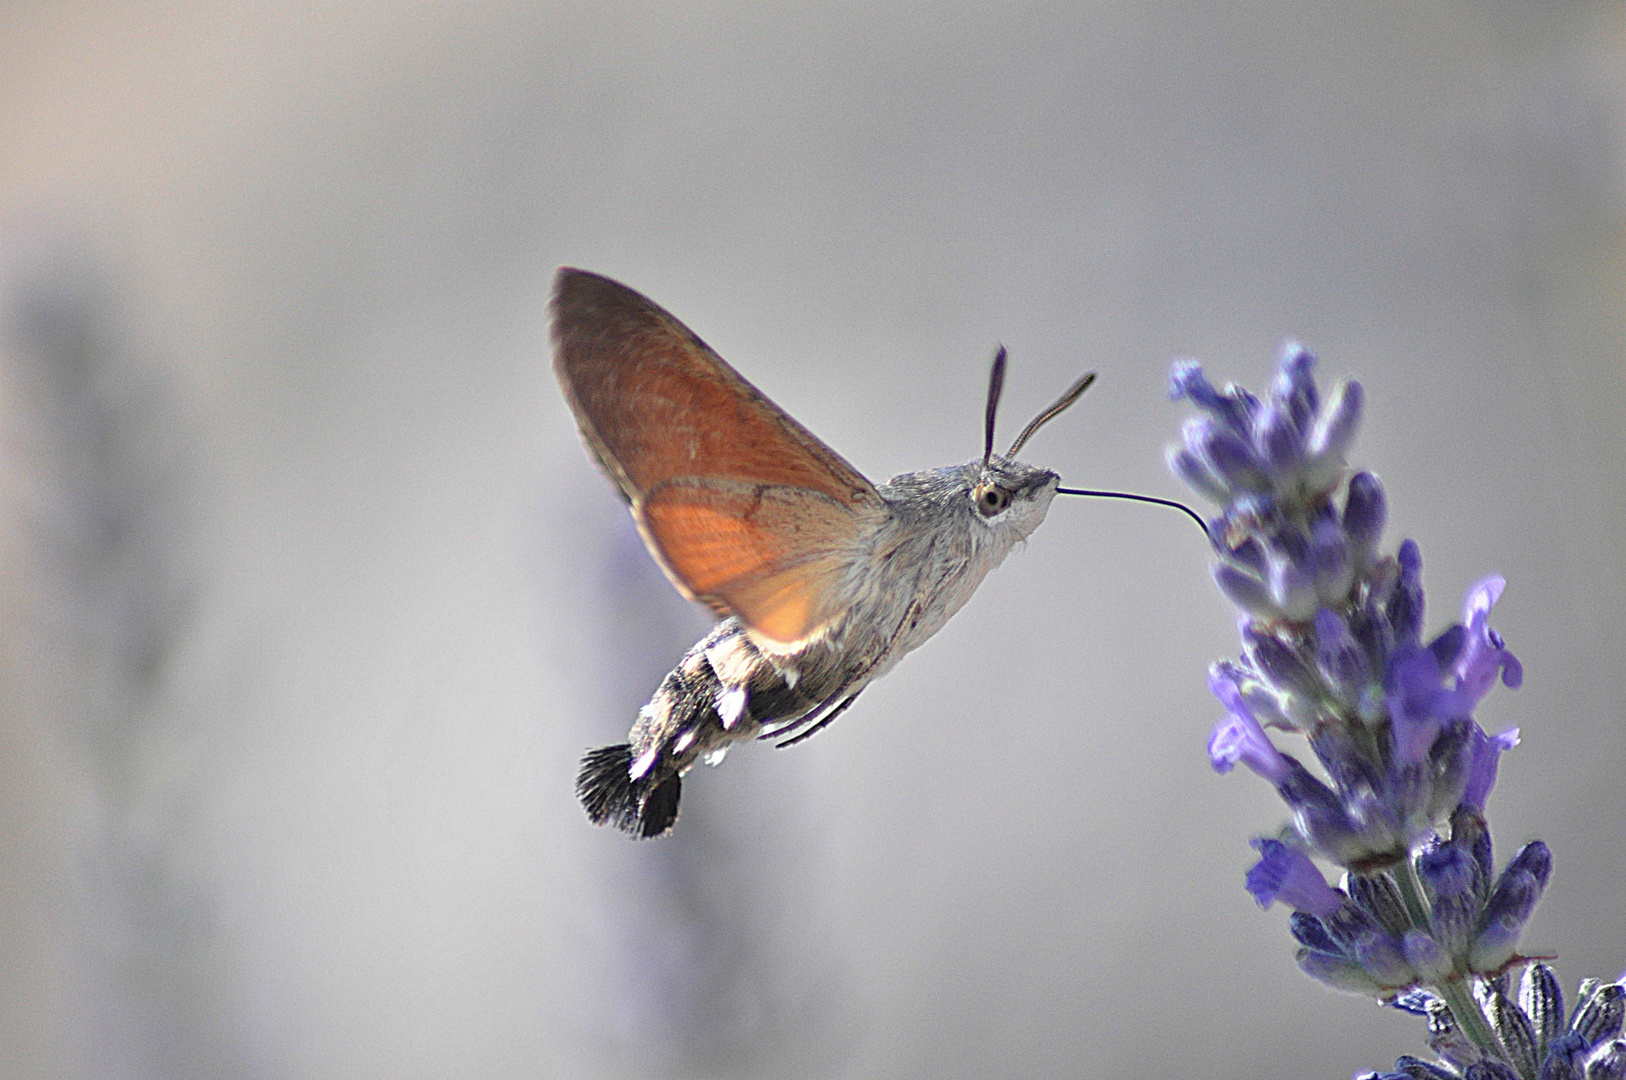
[
  {"x": 1610, "y": 1064},
  {"x": 1320, "y": 817},
  {"x": 1505, "y": 914},
  {"x": 1311, "y": 932},
  {"x": 1514, "y": 1029},
  {"x": 1418, "y": 1069},
  {"x": 1342, "y": 662},
  {"x": 1404, "y": 610},
  {"x": 1446, "y": 1038},
  {"x": 1488, "y": 1069},
  {"x": 1384, "y": 959},
  {"x": 1598, "y": 1018},
  {"x": 1335, "y": 428},
  {"x": 1190, "y": 469},
  {"x": 1246, "y": 592},
  {"x": 1249, "y": 555},
  {"x": 1431, "y": 962},
  {"x": 1565, "y": 1058},
  {"x": 1468, "y": 830},
  {"x": 1277, "y": 662},
  {"x": 1330, "y": 562},
  {"x": 1338, "y": 972},
  {"x": 1536, "y": 859},
  {"x": 1295, "y": 383},
  {"x": 1381, "y": 898},
  {"x": 1365, "y": 511},
  {"x": 1277, "y": 438},
  {"x": 1542, "y": 999},
  {"x": 1227, "y": 457},
  {"x": 1291, "y": 587}
]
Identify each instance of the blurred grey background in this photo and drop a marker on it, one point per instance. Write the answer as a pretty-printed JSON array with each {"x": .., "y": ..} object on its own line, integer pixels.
[{"x": 311, "y": 599}]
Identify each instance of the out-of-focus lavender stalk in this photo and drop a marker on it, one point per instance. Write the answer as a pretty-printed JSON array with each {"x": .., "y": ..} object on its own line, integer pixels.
[{"x": 1333, "y": 651}]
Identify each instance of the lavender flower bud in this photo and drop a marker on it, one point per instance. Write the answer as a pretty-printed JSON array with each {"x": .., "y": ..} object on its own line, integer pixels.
[
  {"x": 1312, "y": 933},
  {"x": 1335, "y": 428},
  {"x": 1186, "y": 380},
  {"x": 1542, "y": 1000},
  {"x": 1287, "y": 874},
  {"x": 1337, "y": 972},
  {"x": 1513, "y": 1028},
  {"x": 1277, "y": 662},
  {"x": 1610, "y": 1064},
  {"x": 1277, "y": 438},
  {"x": 1342, "y": 662},
  {"x": 1565, "y": 1058},
  {"x": 1485, "y": 753},
  {"x": 1291, "y": 586},
  {"x": 1246, "y": 592},
  {"x": 1186, "y": 465},
  {"x": 1225, "y": 455},
  {"x": 1426, "y": 957},
  {"x": 1377, "y": 894},
  {"x": 1365, "y": 510},
  {"x": 1404, "y": 610},
  {"x": 1320, "y": 817},
  {"x": 1295, "y": 383},
  {"x": 1449, "y": 873},
  {"x": 1384, "y": 959},
  {"x": 1510, "y": 906},
  {"x": 1330, "y": 563},
  {"x": 1489, "y": 1069},
  {"x": 1469, "y": 832},
  {"x": 1598, "y": 1018}
]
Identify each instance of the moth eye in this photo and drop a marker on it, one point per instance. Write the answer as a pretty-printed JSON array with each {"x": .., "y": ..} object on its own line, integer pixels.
[{"x": 991, "y": 500}]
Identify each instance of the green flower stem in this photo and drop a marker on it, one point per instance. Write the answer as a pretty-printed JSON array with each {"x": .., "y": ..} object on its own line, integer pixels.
[{"x": 1469, "y": 1017}]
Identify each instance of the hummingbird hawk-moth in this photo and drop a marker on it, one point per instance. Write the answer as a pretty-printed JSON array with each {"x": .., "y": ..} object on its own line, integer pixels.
[{"x": 824, "y": 580}]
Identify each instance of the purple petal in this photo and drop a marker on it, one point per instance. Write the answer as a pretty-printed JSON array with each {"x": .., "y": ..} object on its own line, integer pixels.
[
  {"x": 1238, "y": 737},
  {"x": 1365, "y": 509},
  {"x": 1484, "y": 655},
  {"x": 1485, "y": 754},
  {"x": 1287, "y": 875},
  {"x": 1335, "y": 430}
]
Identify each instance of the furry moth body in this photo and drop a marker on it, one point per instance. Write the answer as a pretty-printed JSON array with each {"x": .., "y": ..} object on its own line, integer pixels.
[{"x": 824, "y": 580}]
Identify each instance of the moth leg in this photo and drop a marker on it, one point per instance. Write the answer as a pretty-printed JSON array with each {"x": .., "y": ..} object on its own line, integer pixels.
[{"x": 823, "y": 723}]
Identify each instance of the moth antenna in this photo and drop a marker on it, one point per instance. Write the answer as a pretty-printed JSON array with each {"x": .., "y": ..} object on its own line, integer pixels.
[
  {"x": 1182, "y": 507},
  {"x": 1073, "y": 393},
  {"x": 996, "y": 383}
]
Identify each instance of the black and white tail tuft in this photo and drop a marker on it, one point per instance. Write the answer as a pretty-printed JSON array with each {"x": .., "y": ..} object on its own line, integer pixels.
[{"x": 644, "y": 807}]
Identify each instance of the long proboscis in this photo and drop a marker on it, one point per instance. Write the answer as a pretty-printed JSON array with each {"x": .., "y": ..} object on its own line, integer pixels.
[
  {"x": 1060, "y": 405},
  {"x": 1180, "y": 506}
]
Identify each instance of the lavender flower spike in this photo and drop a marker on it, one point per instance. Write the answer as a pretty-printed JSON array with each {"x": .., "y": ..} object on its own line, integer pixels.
[{"x": 1335, "y": 651}]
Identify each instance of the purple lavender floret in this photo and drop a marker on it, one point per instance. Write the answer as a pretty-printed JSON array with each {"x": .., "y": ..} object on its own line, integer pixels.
[{"x": 1334, "y": 650}]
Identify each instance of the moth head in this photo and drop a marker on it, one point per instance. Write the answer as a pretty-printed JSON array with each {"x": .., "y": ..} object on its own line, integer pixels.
[
  {"x": 1011, "y": 496},
  {"x": 1005, "y": 493}
]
